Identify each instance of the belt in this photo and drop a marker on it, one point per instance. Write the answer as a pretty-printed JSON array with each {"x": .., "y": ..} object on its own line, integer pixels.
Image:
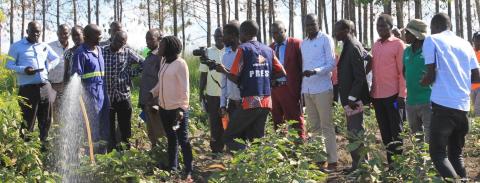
[
  {"x": 236, "y": 103},
  {"x": 33, "y": 85}
]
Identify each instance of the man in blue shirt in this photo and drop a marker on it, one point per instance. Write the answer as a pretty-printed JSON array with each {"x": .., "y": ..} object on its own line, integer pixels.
[
  {"x": 31, "y": 61},
  {"x": 88, "y": 63}
]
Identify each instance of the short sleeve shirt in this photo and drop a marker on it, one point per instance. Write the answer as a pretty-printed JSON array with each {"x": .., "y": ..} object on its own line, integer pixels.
[
  {"x": 213, "y": 77},
  {"x": 414, "y": 70},
  {"x": 454, "y": 59}
]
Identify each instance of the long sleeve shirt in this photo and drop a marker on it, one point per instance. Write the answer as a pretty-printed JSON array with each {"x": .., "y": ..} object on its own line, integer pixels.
[
  {"x": 172, "y": 88},
  {"x": 230, "y": 90},
  {"x": 318, "y": 54},
  {"x": 37, "y": 55},
  {"x": 56, "y": 74},
  {"x": 387, "y": 68}
]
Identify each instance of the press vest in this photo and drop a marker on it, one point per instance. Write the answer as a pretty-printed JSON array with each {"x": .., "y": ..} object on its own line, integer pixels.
[{"x": 256, "y": 69}]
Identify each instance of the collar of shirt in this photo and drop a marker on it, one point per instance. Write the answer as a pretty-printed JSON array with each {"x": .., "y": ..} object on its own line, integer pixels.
[
  {"x": 391, "y": 38},
  {"x": 84, "y": 47},
  {"x": 284, "y": 43},
  {"x": 319, "y": 34},
  {"x": 25, "y": 41},
  {"x": 59, "y": 45}
]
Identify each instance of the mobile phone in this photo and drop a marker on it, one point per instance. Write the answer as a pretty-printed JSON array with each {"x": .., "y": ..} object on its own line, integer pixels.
[{"x": 38, "y": 70}]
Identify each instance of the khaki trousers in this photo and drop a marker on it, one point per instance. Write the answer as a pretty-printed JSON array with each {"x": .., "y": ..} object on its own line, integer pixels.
[{"x": 320, "y": 123}]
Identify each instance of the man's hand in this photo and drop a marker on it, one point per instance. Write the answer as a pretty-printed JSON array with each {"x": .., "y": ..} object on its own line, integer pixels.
[
  {"x": 223, "y": 111},
  {"x": 309, "y": 73},
  {"x": 352, "y": 104},
  {"x": 401, "y": 102},
  {"x": 221, "y": 68},
  {"x": 29, "y": 71},
  {"x": 179, "y": 115}
]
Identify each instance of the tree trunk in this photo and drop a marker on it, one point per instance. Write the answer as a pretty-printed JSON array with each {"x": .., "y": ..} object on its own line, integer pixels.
[
  {"x": 264, "y": 23},
  {"x": 120, "y": 11},
  {"x": 89, "y": 11},
  {"x": 359, "y": 23},
  {"x": 449, "y": 8},
  {"x": 58, "y": 13},
  {"x": 174, "y": 8},
  {"x": 160, "y": 14},
  {"x": 12, "y": 6},
  {"x": 182, "y": 10},
  {"x": 229, "y": 12},
  {"x": 209, "y": 25},
  {"x": 303, "y": 13},
  {"x": 460, "y": 4},
  {"x": 372, "y": 14},
  {"x": 469, "y": 20},
  {"x": 290, "y": 18},
  {"x": 387, "y": 7},
  {"x": 342, "y": 7},
  {"x": 351, "y": 5},
  {"x": 148, "y": 15},
  {"x": 437, "y": 6},
  {"x": 319, "y": 12},
  {"x": 477, "y": 4},
  {"x": 115, "y": 4},
  {"x": 74, "y": 2},
  {"x": 334, "y": 13},
  {"x": 258, "y": 18},
  {"x": 23, "y": 20},
  {"x": 365, "y": 23},
  {"x": 236, "y": 10},
  {"x": 271, "y": 18},
  {"x": 224, "y": 13},
  {"x": 418, "y": 9},
  {"x": 346, "y": 12},
  {"x": 249, "y": 10},
  {"x": 97, "y": 12},
  {"x": 217, "y": 3},
  {"x": 44, "y": 7},
  {"x": 34, "y": 4},
  {"x": 408, "y": 10},
  {"x": 325, "y": 16},
  {"x": 399, "y": 8}
]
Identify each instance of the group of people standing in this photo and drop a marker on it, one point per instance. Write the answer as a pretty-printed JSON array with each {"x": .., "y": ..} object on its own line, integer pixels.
[
  {"x": 250, "y": 80},
  {"x": 430, "y": 78}
]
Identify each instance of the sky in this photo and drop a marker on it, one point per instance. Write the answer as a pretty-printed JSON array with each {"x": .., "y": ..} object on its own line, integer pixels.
[{"x": 134, "y": 22}]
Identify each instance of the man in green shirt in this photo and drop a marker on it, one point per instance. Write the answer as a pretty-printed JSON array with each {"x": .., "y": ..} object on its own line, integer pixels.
[{"x": 418, "y": 106}]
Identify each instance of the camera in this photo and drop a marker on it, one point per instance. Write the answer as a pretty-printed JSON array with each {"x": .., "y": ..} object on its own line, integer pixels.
[{"x": 202, "y": 53}]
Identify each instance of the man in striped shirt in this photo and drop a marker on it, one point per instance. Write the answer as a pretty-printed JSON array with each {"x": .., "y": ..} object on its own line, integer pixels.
[{"x": 119, "y": 62}]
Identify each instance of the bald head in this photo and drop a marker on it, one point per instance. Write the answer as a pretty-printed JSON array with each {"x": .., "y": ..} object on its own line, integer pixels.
[
  {"x": 115, "y": 26},
  {"x": 34, "y": 30},
  {"x": 63, "y": 32},
  {"x": 440, "y": 22},
  {"x": 92, "y": 34},
  {"x": 119, "y": 40},
  {"x": 279, "y": 32},
  {"x": 153, "y": 38},
  {"x": 218, "y": 37},
  {"x": 311, "y": 25}
]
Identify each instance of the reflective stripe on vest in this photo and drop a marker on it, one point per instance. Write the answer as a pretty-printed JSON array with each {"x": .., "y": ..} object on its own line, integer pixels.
[{"x": 92, "y": 74}]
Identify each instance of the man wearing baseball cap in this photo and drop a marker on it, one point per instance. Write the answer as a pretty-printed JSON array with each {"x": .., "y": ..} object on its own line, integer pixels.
[{"x": 418, "y": 106}]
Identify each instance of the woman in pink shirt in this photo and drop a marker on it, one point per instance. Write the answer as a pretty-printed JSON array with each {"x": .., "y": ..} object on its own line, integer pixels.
[{"x": 173, "y": 93}]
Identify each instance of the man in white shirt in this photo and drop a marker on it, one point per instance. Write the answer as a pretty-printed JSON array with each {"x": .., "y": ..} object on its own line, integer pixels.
[
  {"x": 451, "y": 68},
  {"x": 56, "y": 74},
  {"x": 210, "y": 91},
  {"x": 230, "y": 99},
  {"x": 318, "y": 62}
]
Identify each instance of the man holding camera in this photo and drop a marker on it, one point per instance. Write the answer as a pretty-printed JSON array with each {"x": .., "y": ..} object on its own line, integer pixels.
[
  {"x": 210, "y": 90},
  {"x": 30, "y": 59}
]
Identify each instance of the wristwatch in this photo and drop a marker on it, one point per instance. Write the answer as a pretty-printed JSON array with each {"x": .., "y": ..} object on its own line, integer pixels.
[{"x": 352, "y": 98}]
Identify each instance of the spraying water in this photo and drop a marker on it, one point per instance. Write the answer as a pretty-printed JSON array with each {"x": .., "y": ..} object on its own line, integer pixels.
[{"x": 72, "y": 133}]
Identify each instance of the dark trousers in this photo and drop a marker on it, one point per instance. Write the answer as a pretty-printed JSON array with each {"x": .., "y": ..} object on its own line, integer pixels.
[
  {"x": 285, "y": 107},
  {"x": 448, "y": 130},
  {"x": 120, "y": 111},
  {"x": 336, "y": 93},
  {"x": 355, "y": 129},
  {"x": 176, "y": 137},
  {"x": 246, "y": 124},
  {"x": 36, "y": 106},
  {"x": 216, "y": 128},
  {"x": 390, "y": 123}
]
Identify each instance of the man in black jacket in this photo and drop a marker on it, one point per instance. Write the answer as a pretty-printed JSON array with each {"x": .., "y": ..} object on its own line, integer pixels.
[{"x": 353, "y": 85}]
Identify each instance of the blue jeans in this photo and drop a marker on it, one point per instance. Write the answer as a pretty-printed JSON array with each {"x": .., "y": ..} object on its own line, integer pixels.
[{"x": 176, "y": 137}]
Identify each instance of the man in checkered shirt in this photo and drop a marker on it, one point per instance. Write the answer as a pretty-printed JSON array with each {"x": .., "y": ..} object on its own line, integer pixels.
[{"x": 121, "y": 64}]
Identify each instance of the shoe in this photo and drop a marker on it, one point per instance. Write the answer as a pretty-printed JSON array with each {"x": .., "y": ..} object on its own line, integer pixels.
[
  {"x": 347, "y": 171},
  {"x": 330, "y": 168},
  {"x": 188, "y": 177}
]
